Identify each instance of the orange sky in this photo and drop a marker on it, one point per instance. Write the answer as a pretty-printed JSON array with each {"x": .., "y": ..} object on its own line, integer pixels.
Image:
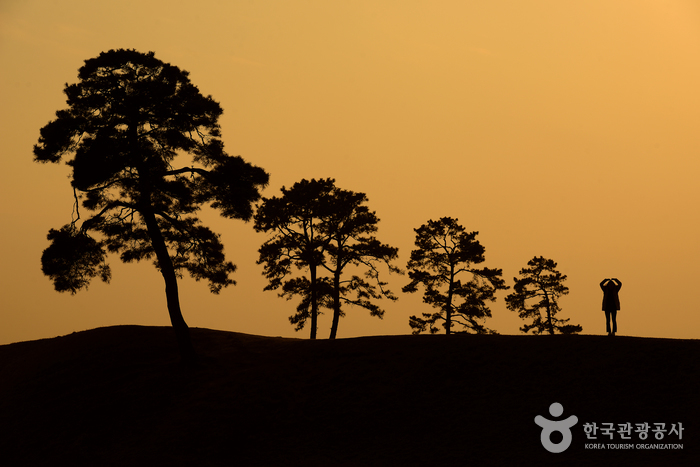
[{"x": 562, "y": 129}]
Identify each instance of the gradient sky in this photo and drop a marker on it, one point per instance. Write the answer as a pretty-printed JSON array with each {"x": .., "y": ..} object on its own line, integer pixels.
[{"x": 563, "y": 129}]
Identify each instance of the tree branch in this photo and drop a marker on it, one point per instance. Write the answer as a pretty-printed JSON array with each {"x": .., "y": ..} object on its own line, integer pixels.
[{"x": 192, "y": 170}]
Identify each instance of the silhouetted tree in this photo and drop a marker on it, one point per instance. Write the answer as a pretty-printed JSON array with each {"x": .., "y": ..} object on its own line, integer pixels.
[
  {"x": 444, "y": 252},
  {"x": 350, "y": 227},
  {"x": 315, "y": 225},
  {"x": 297, "y": 241},
  {"x": 129, "y": 119},
  {"x": 535, "y": 296}
]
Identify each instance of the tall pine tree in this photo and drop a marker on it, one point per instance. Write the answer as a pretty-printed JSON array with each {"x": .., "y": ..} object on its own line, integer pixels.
[
  {"x": 129, "y": 119},
  {"x": 297, "y": 242}
]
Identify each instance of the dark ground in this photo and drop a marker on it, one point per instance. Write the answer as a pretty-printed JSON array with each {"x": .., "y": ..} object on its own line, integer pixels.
[{"x": 119, "y": 396}]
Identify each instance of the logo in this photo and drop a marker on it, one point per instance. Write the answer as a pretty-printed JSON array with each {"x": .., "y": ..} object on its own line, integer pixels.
[{"x": 550, "y": 426}]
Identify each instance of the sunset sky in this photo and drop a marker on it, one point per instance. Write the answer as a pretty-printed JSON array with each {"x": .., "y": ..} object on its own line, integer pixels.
[{"x": 569, "y": 130}]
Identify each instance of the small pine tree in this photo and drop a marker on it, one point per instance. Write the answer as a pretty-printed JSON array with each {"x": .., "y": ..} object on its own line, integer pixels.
[
  {"x": 542, "y": 283},
  {"x": 444, "y": 254}
]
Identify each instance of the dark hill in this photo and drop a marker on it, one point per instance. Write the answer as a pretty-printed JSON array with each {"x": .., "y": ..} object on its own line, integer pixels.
[{"x": 118, "y": 396}]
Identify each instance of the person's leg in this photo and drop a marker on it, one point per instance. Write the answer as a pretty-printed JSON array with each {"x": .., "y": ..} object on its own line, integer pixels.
[
  {"x": 613, "y": 315},
  {"x": 607, "y": 321}
]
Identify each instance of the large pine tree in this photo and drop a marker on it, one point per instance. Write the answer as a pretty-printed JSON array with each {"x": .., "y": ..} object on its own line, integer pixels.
[{"x": 129, "y": 120}]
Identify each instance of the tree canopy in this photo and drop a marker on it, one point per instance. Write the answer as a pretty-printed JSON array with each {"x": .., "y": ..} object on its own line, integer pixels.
[
  {"x": 536, "y": 296},
  {"x": 444, "y": 253},
  {"x": 146, "y": 154}
]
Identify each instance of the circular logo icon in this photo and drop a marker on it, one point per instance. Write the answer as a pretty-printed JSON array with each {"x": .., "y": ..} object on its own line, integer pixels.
[{"x": 550, "y": 426}]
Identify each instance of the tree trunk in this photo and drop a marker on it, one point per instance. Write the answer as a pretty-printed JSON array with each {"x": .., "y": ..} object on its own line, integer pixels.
[
  {"x": 336, "y": 301},
  {"x": 448, "y": 312},
  {"x": 314, "y": 301},
  {"x": 549, "y": 314},
  {"x": 182, "y": 332},
  {"x": 448, "y": 319}
]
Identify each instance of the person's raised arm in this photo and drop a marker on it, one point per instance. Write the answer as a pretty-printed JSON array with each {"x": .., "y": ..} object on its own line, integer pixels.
[
  {"x": 618, "y": 283},
  {"x": 602, "y": 284}
]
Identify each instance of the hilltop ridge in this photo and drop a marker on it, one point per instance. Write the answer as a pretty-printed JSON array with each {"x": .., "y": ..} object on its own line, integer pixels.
[{"x": 119, "y": 396}]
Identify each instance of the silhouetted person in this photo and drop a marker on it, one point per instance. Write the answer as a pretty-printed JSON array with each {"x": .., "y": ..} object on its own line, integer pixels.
[{"x": 611, "y": 302}]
